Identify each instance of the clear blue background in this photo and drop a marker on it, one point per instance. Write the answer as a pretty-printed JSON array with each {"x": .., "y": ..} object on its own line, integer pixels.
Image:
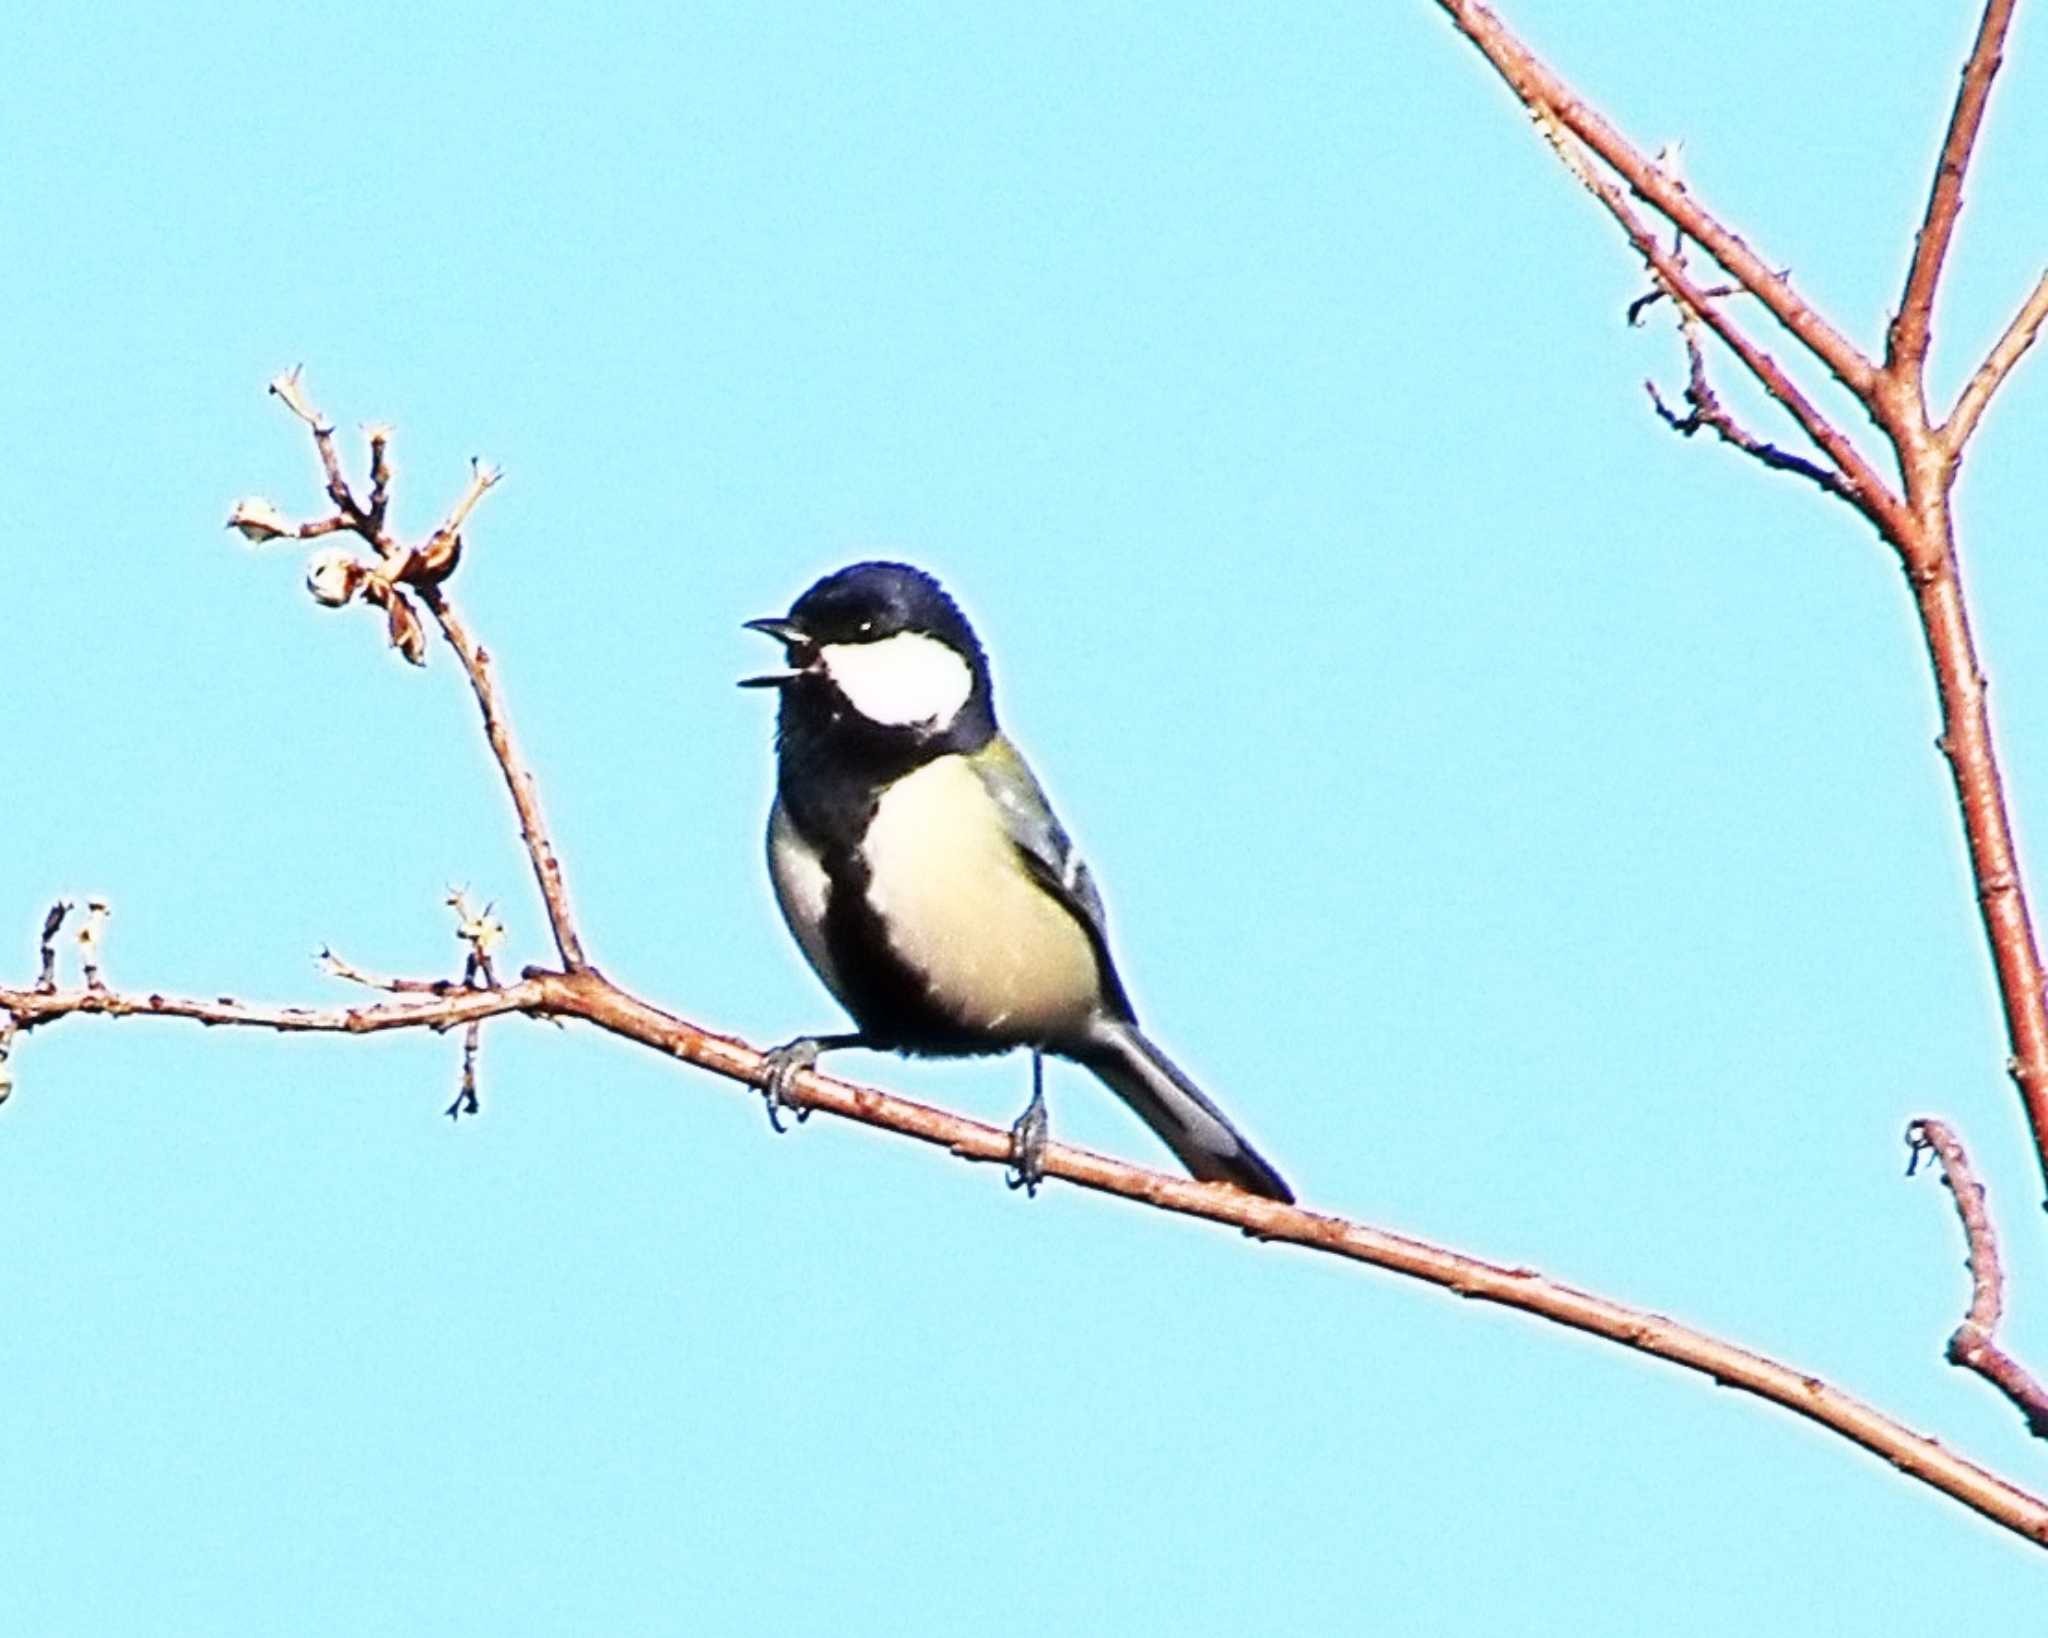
[{"x": 1529, "y": 823}]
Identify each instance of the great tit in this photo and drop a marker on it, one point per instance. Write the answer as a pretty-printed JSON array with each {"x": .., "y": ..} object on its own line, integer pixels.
[{"x": 927, "y": 880}]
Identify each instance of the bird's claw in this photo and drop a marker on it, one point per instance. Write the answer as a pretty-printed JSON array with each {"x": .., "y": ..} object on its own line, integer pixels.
[
  {"x": 1028, "y": 1136},
  {"x": 780, "y": 1067}
]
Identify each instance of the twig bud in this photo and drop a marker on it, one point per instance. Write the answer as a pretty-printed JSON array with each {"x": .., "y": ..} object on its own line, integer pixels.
[
  {"x": 288, "y": 388},
  {"x": 334, "y": 576},
  {"x": 259, "y": 520}
]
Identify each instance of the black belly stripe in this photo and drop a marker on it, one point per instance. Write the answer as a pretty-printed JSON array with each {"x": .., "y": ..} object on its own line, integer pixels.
[
  {"x": 833, "y": 773},
  {"x": 887, "y": 997}
]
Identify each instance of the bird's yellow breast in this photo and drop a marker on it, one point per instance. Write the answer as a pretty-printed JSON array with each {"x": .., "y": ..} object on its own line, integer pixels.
[{"x": 998, "y": 953}]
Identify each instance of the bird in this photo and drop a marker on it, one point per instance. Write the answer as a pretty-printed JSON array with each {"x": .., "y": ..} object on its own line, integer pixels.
[{"x": 928, "y": 882}]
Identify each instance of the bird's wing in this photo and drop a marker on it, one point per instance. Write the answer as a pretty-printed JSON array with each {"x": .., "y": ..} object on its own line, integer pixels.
[{"x": 1048, "y": 852}]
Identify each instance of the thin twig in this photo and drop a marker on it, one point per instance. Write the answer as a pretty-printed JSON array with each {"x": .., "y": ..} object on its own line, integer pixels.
[
  {"x": 1972, "y": 1346},
  {"x": 1910, "y": 331},
  {"x": 347, "y": 970},
  {"x": 423, "y": 568},
  {"x": 289, "y": 389},
  {"x": 1643, "y": 303},
  {"x": 32, "y": 1009},
  {"x": 466, "y": 1101},
  {"x": 380, "y": 476},
  {"x": 1861, "y": 486},
  {"x": 52, "y": 924},
  {"x": 519, "y": 781},
  {"x": 2009, "y": 349},
  {"x": 1537, "y": 87},
  {"x": 1707, "y": 411}
]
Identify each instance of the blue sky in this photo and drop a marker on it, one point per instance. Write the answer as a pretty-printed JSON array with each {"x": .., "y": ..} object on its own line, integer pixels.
[{"x": 1527, "y": 823}]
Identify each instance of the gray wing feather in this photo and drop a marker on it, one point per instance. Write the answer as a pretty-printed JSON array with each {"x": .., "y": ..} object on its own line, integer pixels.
[{"x": 1047, "y": 849}]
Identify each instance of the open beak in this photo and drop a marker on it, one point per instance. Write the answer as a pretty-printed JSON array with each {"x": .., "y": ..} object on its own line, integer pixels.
[{"x": 802, "y": 654}]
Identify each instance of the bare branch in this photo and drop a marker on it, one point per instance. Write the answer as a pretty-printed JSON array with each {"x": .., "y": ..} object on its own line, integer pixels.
[
  {"x": 2009, "y": 349},
  {"x": 33, "y": 1008},
  {"x": 423, "y": 568},
  {"x": 289, "y": 389},
  {"x": 1916, "y": 520},
  {"x": 1539, "y": 89},
  {"x": 540, "y": 849},
  {"x": 1907, "y": 340},
  {"x": 1861, "y": 486},
  {"x": 1972, "y": 1346},
  {"x": 590, "y": 997}
]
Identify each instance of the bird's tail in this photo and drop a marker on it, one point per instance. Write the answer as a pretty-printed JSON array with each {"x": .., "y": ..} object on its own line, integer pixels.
[{"x": 1177, "y": 1109}]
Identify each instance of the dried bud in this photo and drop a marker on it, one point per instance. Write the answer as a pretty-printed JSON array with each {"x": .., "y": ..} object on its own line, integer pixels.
[
  {"x": 259, "y": 521},
  {"x": 92, "y": 938},
  {"x": 288, "y": 388},
  {"x": 438, "y": 558},
  {"x": 485, "y": 934},
  {"x": 408, "y": 636},
  {"x": 333, "y": 577}
]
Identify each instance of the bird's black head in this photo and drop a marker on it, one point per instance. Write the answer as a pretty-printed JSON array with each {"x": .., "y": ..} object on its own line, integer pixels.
[{"x": 882, "y": 663}]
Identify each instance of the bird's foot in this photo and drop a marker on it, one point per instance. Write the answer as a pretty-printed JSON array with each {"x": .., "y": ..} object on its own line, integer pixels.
[
  {"x": 1028, "y": 1135},
  {"x": 780, "y": 1067}
]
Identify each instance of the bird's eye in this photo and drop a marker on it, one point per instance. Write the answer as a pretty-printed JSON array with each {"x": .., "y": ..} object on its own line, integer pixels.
[{"x": 865, "y": 629}]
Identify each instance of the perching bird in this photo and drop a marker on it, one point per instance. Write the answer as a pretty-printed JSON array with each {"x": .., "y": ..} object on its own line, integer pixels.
[{"x": 923, "y": 872}]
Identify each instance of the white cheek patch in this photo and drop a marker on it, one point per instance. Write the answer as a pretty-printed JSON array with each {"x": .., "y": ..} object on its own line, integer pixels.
[{"x": 901, "y": 681}]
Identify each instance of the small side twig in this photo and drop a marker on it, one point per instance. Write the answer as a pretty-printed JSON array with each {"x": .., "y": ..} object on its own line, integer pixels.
[
  {"x": 2006, "y": 352},
  {"x": 483, "y": 933},
  {"x": 1860, "y": 484},
  {"x": 52, "y": 924},
  {"x": 518, "y": 775},
  {"x": 1643, "y": 303},
  {"x": 1705, "y": 410},
  {"x": 466, "y": 1101},
  {"x": 421, "y": 570},
  {"x": 290, "y": 391},
  {"x": 31, "y": 1009},
  {"x": 335, "y": 965},
  {"x": 1537, "y": 87},
  {"x": 1972, "y": 1346},
  {"x": 380, "y": 475}
]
